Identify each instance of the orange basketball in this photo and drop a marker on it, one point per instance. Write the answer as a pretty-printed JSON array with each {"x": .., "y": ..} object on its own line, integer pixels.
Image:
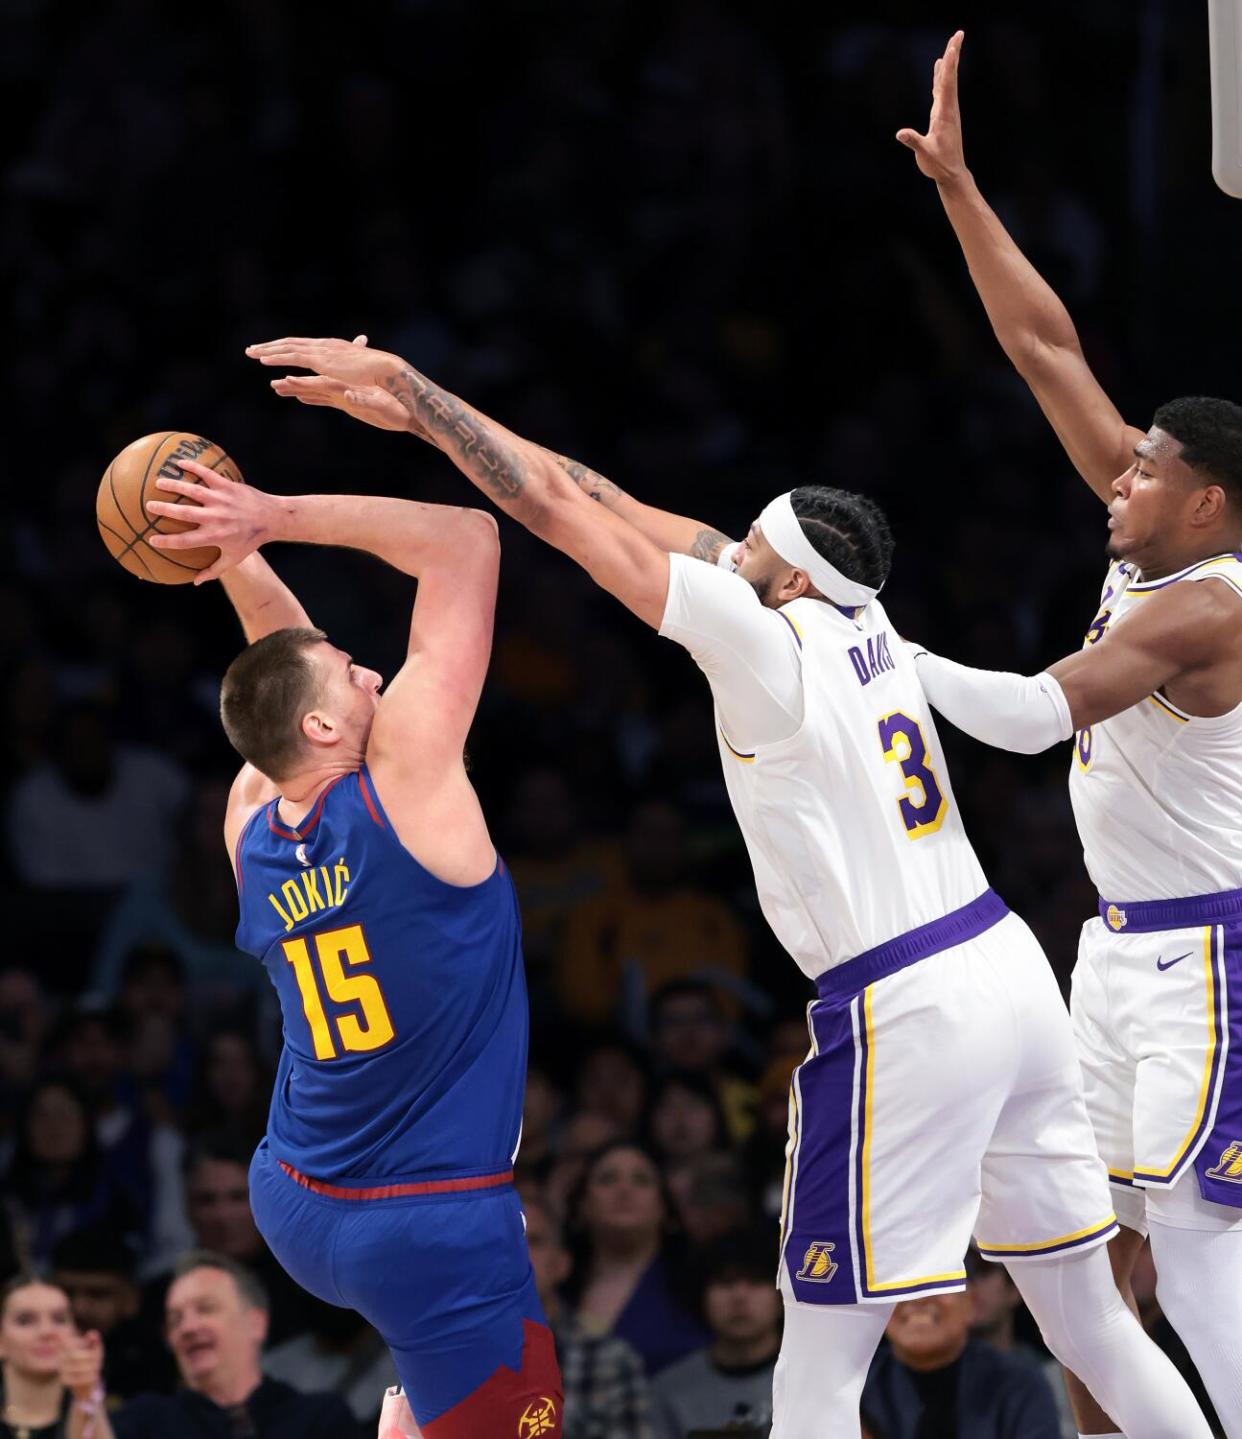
[{"x": 129, "y": 482}]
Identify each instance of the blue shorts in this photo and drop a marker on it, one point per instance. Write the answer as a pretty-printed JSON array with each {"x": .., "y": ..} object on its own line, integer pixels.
[{"x": 446, "y": 1279}]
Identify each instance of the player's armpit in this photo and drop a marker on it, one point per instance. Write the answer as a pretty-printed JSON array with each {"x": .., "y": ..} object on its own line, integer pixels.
[{"x": 1185, "y": 636}]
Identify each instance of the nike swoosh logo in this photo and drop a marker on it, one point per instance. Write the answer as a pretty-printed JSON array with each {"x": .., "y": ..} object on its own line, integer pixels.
[{"x": 1169, "y": 963}]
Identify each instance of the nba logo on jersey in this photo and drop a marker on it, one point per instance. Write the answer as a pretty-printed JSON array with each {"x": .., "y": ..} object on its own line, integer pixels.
[
  {"x": 818, "y": 1266},
  {"x": 1229, "y": 1168},
  {"x": 537, "y": 1418},
  {"x": 1115, "y": 918}
]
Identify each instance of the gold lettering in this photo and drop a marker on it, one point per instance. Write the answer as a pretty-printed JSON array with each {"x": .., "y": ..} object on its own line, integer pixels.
[
  {"x": 293, "y": 898},
  {"x": 280, "y": 911},
  {"x": 341, "y": 875},
  {"x": 311, "y": 885}
]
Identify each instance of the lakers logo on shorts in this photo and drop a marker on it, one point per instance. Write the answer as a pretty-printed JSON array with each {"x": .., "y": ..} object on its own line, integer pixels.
[
  {"x": 538, "y": 1418},
  {"x": 818, "y": 1265},
  {"x": 1229, "y": 1168},
  {"x": 1115, "y": 918}
]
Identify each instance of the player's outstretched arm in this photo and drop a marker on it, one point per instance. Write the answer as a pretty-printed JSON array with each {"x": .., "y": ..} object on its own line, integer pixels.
[
  {"x": 1033, "y": 326},
  {"x": 676, "y": 534},
  {"x": 525, "y": 480},
  {"x": 1179, "y": 635}
]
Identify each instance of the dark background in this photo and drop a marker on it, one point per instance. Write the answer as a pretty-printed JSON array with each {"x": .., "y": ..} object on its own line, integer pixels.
[{"x": 676, "y": 241}]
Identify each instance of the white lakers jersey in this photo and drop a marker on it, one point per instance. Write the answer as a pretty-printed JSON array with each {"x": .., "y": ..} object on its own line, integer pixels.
[
  {"x": 1157, "y": 793},
  {"x": 850, "y": 821}
]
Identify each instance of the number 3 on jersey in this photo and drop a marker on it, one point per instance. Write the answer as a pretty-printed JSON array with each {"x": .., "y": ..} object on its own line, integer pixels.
[
  {"x": 332, "y": 946},
  {"x": 923, "y": 808}
]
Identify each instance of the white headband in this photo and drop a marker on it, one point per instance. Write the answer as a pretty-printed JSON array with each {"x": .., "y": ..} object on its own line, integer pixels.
[{"x": 784, "y": 533}]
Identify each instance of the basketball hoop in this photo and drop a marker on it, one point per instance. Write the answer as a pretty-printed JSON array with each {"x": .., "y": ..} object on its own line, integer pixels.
[{"x": 1225, "y": 48}]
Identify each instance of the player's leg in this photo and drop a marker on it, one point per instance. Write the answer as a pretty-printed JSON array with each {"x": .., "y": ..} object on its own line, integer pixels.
[
  {"x": 1197, "y": 1249},
  {"x": 826, "y": 1351},
  {"x": 889, "y": 1120},
  {"x": 448, "y": 1284},
  {"x": 1047, "y": 1212},
  {"x": 1088, "y": 1327},
  {"x": 1123, "y": 1252}
]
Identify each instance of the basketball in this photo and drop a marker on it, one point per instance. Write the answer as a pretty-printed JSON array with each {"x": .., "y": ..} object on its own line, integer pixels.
[{"x": 129, "y": 482}]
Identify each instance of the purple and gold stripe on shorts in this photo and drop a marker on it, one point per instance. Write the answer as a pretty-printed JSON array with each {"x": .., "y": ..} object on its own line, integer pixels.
[{"x": 1092, "y": 1234}]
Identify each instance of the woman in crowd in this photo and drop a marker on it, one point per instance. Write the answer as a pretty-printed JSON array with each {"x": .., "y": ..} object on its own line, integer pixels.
[
  {"x": 52, "y": 1387},
  {"x": 624, "y": 1276}
]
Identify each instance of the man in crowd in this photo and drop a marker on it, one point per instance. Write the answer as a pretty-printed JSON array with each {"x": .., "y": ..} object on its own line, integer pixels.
[
  {"x": 95, "y": 1268},
  {"x": 728, "y": 1385},
  {"x": 216, "y": 1322},
  {"x": 606, "y": 1392},
  {"x": 933, "y": 1378}
]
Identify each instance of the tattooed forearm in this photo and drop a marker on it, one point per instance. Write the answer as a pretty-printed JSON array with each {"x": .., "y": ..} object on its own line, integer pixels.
[
  {"x": 589, "y": 482},
  {"x": 463, "y": 434},
  {"x": 708, "y": 545}
]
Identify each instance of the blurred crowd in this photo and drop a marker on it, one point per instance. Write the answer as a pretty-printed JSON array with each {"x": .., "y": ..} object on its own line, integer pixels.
[{"x": 676, "y": 241}]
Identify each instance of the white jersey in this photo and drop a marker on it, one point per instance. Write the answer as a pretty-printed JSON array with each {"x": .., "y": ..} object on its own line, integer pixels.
[
  {"x": 832, "y": 763},
  {"x": 1157, "y": 793}
]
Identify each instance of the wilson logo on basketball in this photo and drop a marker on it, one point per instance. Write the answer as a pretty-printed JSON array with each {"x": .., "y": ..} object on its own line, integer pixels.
[
  {"x": 818, "y": 1265},
  {"x": 537, "y": 1418}
]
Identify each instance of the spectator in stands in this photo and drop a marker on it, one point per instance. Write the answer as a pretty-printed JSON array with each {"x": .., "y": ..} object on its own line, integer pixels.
[
  {"x": 622, "y": 946},
  {"x": 606, "y": 1390},
  {"x": 541, "y": 1107},
  {"x": 95, "y": 1268},
  {"x": 232, "y": 1088},
  {"x": 690, "y": 1034},
  {"x": 613, "y": 1082},
  {"x": 338, "y": 1350},
  {"x": 711, "y": 1194},
  {"x": 626, "y": 1268},
  {"x": 25, "y": 1019},
  {"x": 555, "y": 866},
  {"x": 58, "y": 1181},
  {"x": 933, "y": 1378},
  {"x": 153, "y": 1004},
  {"x": 216, "y": 1322},
  {"x": 217, "y": 1192},
  {"x": 728, "y": 1383},
  {"x": 579, "y": 1138},
  {"x": 686, "y": 1118},
  {"x": 764, "y": 1152},
  {"x": 52, "y": 1385}
]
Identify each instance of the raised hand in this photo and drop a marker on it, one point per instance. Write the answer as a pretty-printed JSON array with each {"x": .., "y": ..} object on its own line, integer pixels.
[
  {"x": 237, "y": 519},
  {"x": 81, "y": 1365},
  {"x": 939, "y": 152},
  {"x": 352, "y": 362},
  {"x": 369, "y": 403}
]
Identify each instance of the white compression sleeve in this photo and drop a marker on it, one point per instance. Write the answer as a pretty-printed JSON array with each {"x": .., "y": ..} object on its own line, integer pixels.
[{"x": 1024, "y": 713}]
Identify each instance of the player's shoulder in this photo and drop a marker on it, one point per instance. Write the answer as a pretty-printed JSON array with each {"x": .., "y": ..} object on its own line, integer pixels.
[{"x": 250, "y": 792}]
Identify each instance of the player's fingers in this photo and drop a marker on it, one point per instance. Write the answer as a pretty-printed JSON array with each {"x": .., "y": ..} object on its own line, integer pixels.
[
  {"x": 911, "y": 139},
  {"x": 172, "y": 511},
  {"x": 212, "y": 572},
  {"x": 360, "y": 340},
  {"x": 187, "y": 540},
  {"x": 177, "y": 487},
  {"x": 204, "y": 472}
]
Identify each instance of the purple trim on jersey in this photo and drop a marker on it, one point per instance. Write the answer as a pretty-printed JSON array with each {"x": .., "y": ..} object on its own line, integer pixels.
[
  {"x": 1147, "y": 916},
  {"x": 1145, "y": 1177},
  {"x": 793, "y": 627},
  {"x": 1146, "y": 587},
  {"x": 366, "y": 785},
  {"x": 1221, "y": 1151},
  {"x": 961, "y": 925}
]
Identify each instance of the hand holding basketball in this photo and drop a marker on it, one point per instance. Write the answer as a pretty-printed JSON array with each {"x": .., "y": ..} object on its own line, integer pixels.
[
  {"x": 236, "y": 519},
  {"x": 939, "y": 153}
]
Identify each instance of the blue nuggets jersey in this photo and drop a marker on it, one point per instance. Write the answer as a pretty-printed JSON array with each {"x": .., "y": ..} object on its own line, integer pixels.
[{"x": 404, "y": 998}]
